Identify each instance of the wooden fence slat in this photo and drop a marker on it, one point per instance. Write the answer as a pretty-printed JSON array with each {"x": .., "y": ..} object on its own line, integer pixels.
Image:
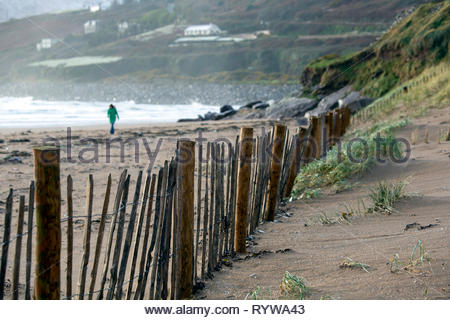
[
  {"x": 18, "y": 249},
  {"x": 160, "y": 270},
  {"x": 29, "y": 241},
  {"x": 227, "y": 199},
  {"x": 69, "y": 265},
  {"x": 187, "y": 167},
  {"x": 128, "y": 238},
  {"x": 171, "y": 183},
  {"x": 245, "y": 156},
  {"x": 48, "y": 222},
  {"x": 101, "y": 231},
  {"x": 157, "y": 244},
  {"x": 156, "y": 223},
  {"x": 205, "y": 214},
  {"x": 87, "y": 238},
  {"x": 211, "y": 211},
  {"x": 221, "y": 203},
  {"x": 199, "y": 207},
  {"x": 174, "y": 285},
  {"x": 116, "y": 208},
  {"x": 137, "y": 237},
  {"x": 275, "y": 171},
  {"x": 217, "y": 222},
  {"x": 5, "y": 246},
  {"x": 118, "y": 245},
  {"x": 142, "y": 265},
  {"x": 234, "y": 169}
]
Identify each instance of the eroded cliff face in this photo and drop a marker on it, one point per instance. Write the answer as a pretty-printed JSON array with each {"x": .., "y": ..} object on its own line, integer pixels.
[{"x": 406, "y": 50}]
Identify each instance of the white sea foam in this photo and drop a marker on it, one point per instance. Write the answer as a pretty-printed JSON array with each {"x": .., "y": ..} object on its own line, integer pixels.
[{"x": 29, "y": 113}]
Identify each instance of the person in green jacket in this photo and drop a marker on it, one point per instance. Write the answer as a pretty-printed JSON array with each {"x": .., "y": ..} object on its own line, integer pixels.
[{"x": 112, "y": 115}]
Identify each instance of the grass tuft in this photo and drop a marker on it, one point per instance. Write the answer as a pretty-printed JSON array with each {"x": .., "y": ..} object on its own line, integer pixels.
[
  {"x": 384, "y": 196},
  {"x": 293, "y": 286},
  {"x": 350, "y": 264},
  {"x": 411, "y": 265}
]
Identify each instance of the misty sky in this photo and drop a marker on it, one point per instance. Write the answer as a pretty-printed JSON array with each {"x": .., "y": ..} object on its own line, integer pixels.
[{"x": 22, "y": 8}]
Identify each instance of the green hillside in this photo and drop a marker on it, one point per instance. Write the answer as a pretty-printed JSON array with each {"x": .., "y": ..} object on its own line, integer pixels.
[
  {"x": 300, "y": 31},
  {"x": 418, "y": 42}
]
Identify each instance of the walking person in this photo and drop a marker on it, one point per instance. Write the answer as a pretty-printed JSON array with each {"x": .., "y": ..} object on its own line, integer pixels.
[{"x": 113, "y": 115}]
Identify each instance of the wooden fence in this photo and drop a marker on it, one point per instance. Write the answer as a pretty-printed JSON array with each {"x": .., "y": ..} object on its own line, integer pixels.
[{"x": 164, "y": 235}]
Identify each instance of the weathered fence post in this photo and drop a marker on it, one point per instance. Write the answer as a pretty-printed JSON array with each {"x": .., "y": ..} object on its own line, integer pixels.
[
  {"x": 187, "y": 164},
  {"x": 296, "y": 162},
  {"x": 346, "y": 119},
  {"x": 316, "y": 137},
  {"x": 16, "y": 268},
  {"x": 243, "y": 186},
  {"x": 5, "y": 245},
  {"x": 275, "y": 170},
  {"x": 327, "y": 141},
  {"x": 48, "y": 221}
]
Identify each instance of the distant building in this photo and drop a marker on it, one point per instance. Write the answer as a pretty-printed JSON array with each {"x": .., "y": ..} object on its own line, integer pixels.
[
  {"x": 171, "y": 7},
  {"x": 90, "y": 27},
  {"x": 123, "y": 27},
  {"x": 202, "y": 30},
  {"x": 46, "y": 44},
  {"x": 95, "y": 8}
]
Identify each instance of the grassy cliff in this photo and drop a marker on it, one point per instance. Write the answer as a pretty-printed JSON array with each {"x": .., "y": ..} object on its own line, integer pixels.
[
  {"x": 416, "y": 43},
  {"x": 300, "y": 32}
]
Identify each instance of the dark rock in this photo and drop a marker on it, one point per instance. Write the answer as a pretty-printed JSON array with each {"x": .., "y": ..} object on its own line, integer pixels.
[
  {"x": 201, "y": 118},
  {"x": 2, "y": 141},
  {"x": 20, "y": 154},
  {"x": 19, "y": 140},
  {"x": 225, "y": 115},
  {"x": 251, "y": 104},
  {"x": 290, "y": 108},
  {"x": 261, "y": 106},
  {"x": 187, "y": 120},
  {"x": 210, "y": 116},
  {"x": 355, "y": 101},
  {"x": 331, "y": 101},
  {"x": 226, "y": 108}
]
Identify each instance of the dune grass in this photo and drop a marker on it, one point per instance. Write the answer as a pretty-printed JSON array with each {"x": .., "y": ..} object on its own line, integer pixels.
[{"x": 340, "y": 165}]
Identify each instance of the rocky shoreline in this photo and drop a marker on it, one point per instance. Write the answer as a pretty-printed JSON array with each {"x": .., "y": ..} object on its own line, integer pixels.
[
  {"x": 162, "y": 92},
  {"x": 291, "y": 107}
]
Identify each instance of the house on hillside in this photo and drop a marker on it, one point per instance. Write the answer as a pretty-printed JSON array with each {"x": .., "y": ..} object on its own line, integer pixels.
[
  {"x": 46, "y": 44},
  {"x": 90, "y": 27},
  {"x": 95, "y": 8},
  {"x": 202, "y": 30},
  {"x": 123, "y": 27}
]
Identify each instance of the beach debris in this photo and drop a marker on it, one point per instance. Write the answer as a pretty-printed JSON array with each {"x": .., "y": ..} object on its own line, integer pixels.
[
  {"x": 418, "y": 226},
  {"x": 11, "y": 159},
  {"x": 19, "y": 140},
  {"x": 411, "y": 265},
  {"x": 348, "y": 263},
  {"x": 258, "y": 254},
  {"x": 283, "y": 250},
  {"x": 24, "y": 154}
]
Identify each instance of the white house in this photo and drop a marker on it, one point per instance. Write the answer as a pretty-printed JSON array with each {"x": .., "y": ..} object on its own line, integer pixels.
[
  {"x": 90, "y": 27},
  {"x": 202, "y": 30},
  {"x": 46, "y": 44},
  {"x": 95, "y": 8},
  {"x": 123, "y": 27}
]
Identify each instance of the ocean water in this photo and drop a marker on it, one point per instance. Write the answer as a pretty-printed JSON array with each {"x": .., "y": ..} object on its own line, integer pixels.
[{"x": 29, "y": 113}]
